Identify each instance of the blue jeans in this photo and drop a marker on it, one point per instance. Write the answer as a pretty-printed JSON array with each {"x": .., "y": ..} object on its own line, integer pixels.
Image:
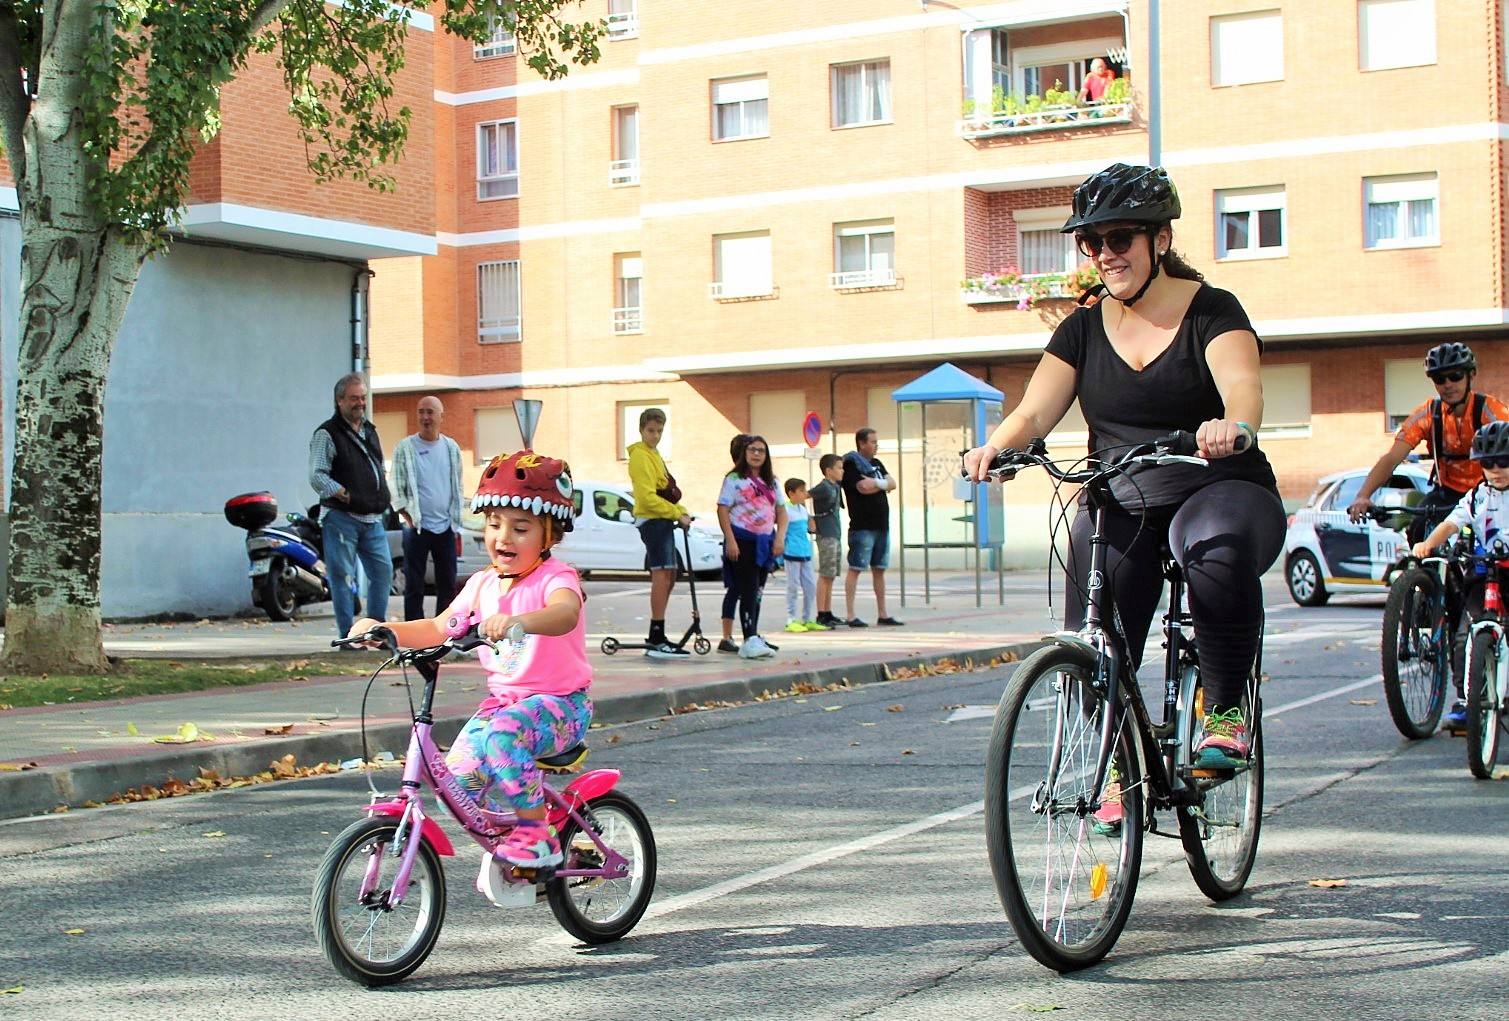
[
  {"x": 869, "y": 549},
  {"x": 346, "y": 541}
]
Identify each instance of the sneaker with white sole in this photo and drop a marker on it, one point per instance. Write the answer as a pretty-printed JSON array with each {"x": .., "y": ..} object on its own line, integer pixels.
[
  {"x": 665, "y": 650},
  {"x": 755, "y": 647}
]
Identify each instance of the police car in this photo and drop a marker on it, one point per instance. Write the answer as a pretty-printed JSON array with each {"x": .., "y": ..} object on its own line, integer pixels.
[{"x": 1325, "y": 553}]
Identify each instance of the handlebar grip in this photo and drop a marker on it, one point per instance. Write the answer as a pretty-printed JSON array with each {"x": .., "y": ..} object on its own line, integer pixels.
[{"x": 1182, "y": 442}]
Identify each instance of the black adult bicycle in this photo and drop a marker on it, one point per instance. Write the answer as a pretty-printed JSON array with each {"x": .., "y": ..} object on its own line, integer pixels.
[
  {"x": 1422, "y": 639},
  {"x": 1073, "y": 721}
]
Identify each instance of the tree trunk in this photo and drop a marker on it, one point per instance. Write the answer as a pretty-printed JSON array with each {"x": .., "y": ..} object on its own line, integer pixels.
[{"x": 76, "y": 284}]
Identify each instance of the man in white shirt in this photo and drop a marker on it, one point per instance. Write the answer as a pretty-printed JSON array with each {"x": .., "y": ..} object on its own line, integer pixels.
[{"x": 427, "y": 496}]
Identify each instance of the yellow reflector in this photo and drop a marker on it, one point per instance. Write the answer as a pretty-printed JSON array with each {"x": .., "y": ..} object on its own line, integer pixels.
[{"x": 1098, "y": 876}]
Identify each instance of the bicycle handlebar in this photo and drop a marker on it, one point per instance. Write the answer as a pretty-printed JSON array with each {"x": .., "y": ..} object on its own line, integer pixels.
[
  {"x": 462, "y": 637},
  {"x": 1178, "y": 447}
]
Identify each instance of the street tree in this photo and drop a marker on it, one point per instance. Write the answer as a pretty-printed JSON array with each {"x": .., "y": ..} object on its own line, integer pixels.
[{"x": 102, "y": 105}]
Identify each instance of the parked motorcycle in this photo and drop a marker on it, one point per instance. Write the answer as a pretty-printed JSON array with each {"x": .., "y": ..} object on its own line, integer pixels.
[{"x": 287, "y": 567}]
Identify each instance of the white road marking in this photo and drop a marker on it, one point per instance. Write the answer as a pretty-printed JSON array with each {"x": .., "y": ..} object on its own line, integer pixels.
[
  {"x": 971, "y": 712},
  {"x": 695, "y": 898}
]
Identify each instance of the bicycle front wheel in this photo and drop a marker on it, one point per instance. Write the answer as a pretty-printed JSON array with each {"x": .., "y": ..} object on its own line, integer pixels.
[
  {"x": 1415, "y": 653},
  {"x": 1220, "y": 834},
  {"x": 1483, "y": 720},
  {"x": 367, "y": 938},
  {"x": 1065, "y": 877}
]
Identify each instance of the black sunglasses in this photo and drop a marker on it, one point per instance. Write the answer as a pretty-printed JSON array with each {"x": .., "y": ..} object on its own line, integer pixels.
[
  {"x": 1118, "y": 241},
  {"x": 1448, "y": 377},
  {"x": 1494, "y": 462}
]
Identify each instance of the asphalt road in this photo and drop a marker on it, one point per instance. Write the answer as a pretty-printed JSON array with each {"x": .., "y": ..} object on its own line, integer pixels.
[{"x": 889, "y": 911}]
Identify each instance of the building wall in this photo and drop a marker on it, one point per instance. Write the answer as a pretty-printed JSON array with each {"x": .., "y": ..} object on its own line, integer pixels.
[{"x": 201, "y": 354}]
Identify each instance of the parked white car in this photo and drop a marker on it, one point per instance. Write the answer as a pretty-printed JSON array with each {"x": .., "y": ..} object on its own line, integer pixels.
[
  {"x": 1326, "y": 553},
  {"x": 604, "y": 537}
]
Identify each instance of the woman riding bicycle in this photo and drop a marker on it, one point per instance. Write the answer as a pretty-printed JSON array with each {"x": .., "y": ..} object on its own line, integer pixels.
[{"x": 1155, "y": 350}]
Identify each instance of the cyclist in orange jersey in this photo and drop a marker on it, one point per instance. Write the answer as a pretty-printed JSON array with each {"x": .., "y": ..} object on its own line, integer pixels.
[{"x": 1446, "y": 423}]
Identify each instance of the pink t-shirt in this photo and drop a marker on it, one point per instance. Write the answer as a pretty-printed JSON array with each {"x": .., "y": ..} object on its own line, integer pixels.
[{"x": 543, "y": 664}]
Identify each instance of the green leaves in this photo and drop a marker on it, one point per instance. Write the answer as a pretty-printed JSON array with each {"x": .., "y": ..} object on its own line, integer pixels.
[{"x": 147, "y": 75}]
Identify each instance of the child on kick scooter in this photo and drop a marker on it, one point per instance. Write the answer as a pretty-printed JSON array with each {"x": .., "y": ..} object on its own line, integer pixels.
[{"x": 537, "y": 703}]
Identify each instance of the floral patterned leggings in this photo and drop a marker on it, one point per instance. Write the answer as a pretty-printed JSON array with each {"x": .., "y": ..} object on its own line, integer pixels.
[{"x": 493, "y": 756}]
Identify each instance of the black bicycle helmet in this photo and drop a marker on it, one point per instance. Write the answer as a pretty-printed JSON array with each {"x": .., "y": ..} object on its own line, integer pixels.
[
  {"x": 1126, "y": 194},
  {"x": 1448, "y": 356},
  {"x": 1491, "y": 441}
]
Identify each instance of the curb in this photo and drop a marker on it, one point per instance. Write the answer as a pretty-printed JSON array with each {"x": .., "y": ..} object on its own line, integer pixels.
[{"x": 41, "y": 791}]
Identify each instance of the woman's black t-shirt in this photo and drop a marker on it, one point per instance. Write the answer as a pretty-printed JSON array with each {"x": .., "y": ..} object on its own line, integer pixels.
[{"x": 1174, "y": 391}]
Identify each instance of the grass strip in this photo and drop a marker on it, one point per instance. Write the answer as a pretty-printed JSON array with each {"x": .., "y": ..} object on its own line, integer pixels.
[{"x": 134, "y": 677}]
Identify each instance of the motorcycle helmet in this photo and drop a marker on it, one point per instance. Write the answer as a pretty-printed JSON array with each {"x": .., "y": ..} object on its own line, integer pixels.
[
  {"x": 1491, "y": 441},
  {"x": 530, "y": 481},
  {"x": 1448, "y": 356},
  {"x": 1122, "y": 193}
]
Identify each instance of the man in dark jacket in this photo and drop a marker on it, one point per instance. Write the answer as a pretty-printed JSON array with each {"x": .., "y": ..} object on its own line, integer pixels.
[{"x": 346, "y": 470}]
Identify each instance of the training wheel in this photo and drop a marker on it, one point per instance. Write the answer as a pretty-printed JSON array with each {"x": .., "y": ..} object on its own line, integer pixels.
[
  {"x": 610, "y": 646},
  {"x": 703, "y": 646}
]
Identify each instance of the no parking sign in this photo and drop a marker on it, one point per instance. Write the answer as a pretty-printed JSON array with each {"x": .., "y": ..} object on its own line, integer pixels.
[{"x": 812, "y": 432}]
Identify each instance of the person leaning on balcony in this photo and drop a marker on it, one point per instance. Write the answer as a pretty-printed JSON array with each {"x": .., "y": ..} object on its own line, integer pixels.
[
  {"x": 1097, "y": 81},
  {"x": 1162, "y": 350},
  {"x": 658, "y": 513}
]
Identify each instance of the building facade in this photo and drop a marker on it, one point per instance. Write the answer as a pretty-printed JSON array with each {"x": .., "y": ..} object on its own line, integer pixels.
[{"x": 745, "y": 212}]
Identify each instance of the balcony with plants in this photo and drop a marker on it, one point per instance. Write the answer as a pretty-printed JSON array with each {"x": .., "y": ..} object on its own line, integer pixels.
[
  {"x": 1070, "y": 75},
  {"x": 1027, "y": 290},
  {"x": 1055, "y": 109}
]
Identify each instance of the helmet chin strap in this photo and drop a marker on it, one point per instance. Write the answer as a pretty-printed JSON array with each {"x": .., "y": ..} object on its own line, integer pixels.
[{"x": 1157, "y": 262}]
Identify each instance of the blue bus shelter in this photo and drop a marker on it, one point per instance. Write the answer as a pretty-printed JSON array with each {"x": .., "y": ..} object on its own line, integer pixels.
[{"x": 956, "y": 412}]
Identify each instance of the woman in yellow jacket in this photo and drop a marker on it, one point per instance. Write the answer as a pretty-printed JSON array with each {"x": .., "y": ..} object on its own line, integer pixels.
[{"x": 658, "y": 513}]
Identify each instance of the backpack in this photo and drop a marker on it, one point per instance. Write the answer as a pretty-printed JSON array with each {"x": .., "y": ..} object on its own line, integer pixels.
[{"x": 1437, "y": 453}]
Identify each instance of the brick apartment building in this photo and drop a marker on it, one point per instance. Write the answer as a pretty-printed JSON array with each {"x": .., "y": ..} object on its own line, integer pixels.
[{"x": 748, "y": 211}]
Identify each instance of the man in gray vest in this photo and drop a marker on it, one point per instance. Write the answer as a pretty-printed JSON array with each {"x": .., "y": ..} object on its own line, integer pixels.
[
  {"x": 427, "y": 496},
  {"x": 346, "y": 470}
]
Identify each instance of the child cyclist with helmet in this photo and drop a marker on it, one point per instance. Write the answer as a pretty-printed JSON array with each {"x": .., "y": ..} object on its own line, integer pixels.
[
  {"x": 1485, "y": 508},
  {"x": 537, "y": 702}
]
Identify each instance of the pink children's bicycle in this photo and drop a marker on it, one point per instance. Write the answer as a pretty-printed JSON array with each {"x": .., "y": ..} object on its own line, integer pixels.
[{"x": 379, "y": 899}]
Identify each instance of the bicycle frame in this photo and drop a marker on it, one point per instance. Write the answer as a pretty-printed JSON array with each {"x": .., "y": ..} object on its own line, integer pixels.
[
  {"x": 1492, "y": 623},
  {"x": 425, "y": 766},
  {"x": 1159, "y": 746}
]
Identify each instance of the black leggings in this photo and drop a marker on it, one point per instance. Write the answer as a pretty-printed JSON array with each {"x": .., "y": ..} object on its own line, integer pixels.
[
  {"x": 1224, "y": 537},
  {"x": 748, "y": 585}
]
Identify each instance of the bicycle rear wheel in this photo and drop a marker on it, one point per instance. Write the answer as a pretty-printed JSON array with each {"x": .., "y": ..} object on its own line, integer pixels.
[
  {"x": 1484, "y": 722},
  {"x": 1220, "y": 835},
  {"x": 597, "y": 910},
  {"x": 1415, "y": 653},
  {"x": 1066, "y": 883},
  {"x": 368, "y": 940}
]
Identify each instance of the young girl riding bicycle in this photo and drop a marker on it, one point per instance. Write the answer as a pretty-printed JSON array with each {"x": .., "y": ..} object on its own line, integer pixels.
[{"x": 537, "y": 703}]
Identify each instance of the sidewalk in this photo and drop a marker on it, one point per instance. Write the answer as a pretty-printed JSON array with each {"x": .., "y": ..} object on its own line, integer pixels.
[{"x": 93, "y": 751}]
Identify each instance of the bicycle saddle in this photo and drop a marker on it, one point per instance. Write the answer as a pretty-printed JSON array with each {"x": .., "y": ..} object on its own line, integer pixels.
[{"x": 568, "y": 761}]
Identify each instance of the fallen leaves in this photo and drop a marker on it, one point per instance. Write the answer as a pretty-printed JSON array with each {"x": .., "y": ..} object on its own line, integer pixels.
[
  {"x": 188, "y": 733},
  {"x": 286, "y": 768},
  {"x": 1037, "y": 1008},
  {"x": 16, "y": 767},
  {"x": 214, "y": 834},
  {"x": 895, "y": 708},
  {"x": 1364, "y": 701},
  {"x": 799, "y": 688},
  {"x": 1328, "y": 884},
  {"x": 132, "y": 729},
  {"x": 13, "y": 991},
  {"x": 286, "y": 728},
  {"x": 73, "y": 932}
]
